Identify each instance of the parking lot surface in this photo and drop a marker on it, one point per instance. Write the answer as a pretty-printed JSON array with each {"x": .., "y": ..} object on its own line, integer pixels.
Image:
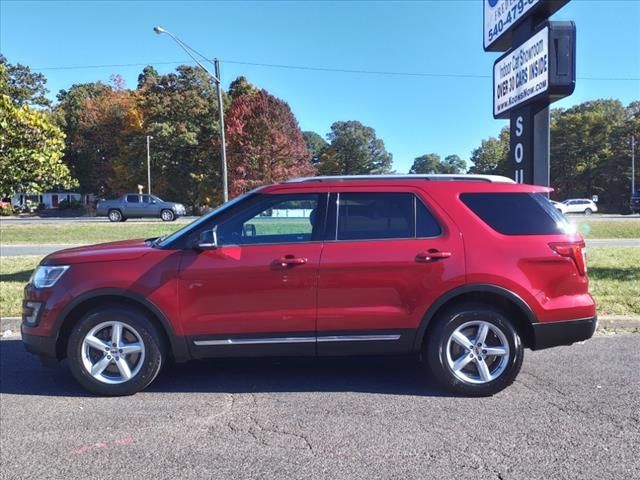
[{"x": 574, "y": 412}]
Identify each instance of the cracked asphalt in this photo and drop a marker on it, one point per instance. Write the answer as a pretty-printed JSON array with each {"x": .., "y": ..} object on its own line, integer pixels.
[{"x": 573, "y": 413}]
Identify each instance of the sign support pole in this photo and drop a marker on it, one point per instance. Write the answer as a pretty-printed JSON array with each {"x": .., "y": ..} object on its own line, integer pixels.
[
  {"x": 529, "y": 128},
  {"x": 541, "y": 147}
]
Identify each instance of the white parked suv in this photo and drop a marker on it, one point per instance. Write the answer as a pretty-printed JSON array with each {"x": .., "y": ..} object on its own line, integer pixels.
[{"x": 580, "y": 205}]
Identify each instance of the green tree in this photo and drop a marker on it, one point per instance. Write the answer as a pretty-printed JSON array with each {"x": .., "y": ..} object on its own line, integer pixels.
[
  {"x": 180, "y": 111},
  {"x": 354, "y": 150},
  {"x": 315, "y": 144},
  {"x": 492, "y": 156},
  {"x": 590, "y": 151},
  {"x": 453, "y": 164},
  {"x": 426, "y": 164},
  {"x": 21, "y": 85},
  {"x": 241, "y": 86},
  {"x": 80, "y": 154},
  {"x": 431, "y": 163},
  {"x": 31, "y": 148}
]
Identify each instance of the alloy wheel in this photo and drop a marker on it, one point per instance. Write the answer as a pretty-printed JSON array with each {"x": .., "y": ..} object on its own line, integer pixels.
[
  {"x": 113, "y": 352},
  {"x": 477, "y": 352}
]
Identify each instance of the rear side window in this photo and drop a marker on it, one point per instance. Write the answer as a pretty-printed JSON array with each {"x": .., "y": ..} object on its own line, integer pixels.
[
  {"x": 517, "y": 213},
  {"x": 371, "y": 216},
  {"x": 426, "y": 224},
  {"x": 133, "y": 199}
]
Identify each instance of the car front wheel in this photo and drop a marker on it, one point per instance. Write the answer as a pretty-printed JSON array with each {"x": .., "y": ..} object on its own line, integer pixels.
[
  {"x": 474, "y": 350},
  {"x": 115, "y": 351},
  {"x": 588, "y": 211}
]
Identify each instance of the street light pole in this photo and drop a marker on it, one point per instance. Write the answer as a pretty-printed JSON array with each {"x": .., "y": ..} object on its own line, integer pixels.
[
  {"x": 149, "y": 137},
  {"x": 216, "y": 78}
]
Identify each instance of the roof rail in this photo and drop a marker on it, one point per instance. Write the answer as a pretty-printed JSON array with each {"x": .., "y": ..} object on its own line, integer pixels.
[{"x": 432, "y": 177}]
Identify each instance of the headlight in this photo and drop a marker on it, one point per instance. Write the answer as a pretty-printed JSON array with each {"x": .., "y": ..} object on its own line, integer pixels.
[{"x": 47, "y": 276}]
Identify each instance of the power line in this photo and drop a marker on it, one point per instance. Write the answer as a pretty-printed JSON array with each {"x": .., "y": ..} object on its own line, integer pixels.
[{"x": 315, "y": 69}]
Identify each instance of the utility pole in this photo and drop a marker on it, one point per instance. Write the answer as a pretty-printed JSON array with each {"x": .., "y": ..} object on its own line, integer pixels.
[
  {"x": 633, "y": 164},
  {"x": 223, "y": 148},
  {"x": 149, "y": 137}
]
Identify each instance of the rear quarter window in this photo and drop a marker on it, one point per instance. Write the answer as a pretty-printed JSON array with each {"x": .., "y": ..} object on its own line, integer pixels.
[{"x": 517, "y": 213}]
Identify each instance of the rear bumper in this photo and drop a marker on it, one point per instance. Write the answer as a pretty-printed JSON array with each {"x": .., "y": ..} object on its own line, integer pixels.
[{"x": 554, "y": 334}]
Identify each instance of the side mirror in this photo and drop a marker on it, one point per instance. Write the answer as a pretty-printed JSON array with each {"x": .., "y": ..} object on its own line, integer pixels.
[{"x": 208, "y": 239}]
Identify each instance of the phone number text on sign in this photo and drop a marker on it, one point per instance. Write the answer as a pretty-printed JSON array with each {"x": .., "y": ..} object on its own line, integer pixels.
[
  {"x": 521, "y": 74},
  {"x": 500, "y": 15}
]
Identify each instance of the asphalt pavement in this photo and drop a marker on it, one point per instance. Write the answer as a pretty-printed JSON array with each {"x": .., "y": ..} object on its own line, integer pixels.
[{"x": 573, "y": 413}]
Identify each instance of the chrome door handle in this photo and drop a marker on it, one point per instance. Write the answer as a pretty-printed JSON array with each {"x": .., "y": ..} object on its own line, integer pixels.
[
  {"x": 432, "y": 255},
  {"x": 291, "y": 260}
]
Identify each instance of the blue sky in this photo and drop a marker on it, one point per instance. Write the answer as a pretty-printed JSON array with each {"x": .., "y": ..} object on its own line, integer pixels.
[{"x": 412, "y": 114}]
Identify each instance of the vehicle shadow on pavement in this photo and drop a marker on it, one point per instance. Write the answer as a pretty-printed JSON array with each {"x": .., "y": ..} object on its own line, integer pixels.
[{"x": 21, "y": 373}]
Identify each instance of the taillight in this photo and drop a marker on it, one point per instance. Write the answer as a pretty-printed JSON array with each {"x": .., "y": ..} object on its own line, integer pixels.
[{"x": 574, "y": 250}]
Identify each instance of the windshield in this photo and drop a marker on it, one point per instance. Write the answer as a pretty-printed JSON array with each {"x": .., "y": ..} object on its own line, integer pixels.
[
  {"x": 157, "y": 199},
  {"x": 167, "y": 239}
]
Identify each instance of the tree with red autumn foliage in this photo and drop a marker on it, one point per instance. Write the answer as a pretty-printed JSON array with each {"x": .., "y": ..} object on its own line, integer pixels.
[{"x": 264, "y": 143}]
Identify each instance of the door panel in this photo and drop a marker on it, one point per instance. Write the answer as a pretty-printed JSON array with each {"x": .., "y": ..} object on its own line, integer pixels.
[
  {"x": 257, "y": 292},
  {"x": 249, "y": 289},
  {"x": 384, "y": 285},
  {"x": 133, "y": 207}
]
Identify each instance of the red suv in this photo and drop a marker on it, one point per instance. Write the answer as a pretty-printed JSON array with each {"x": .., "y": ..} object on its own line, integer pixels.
[{"x": 465, "y": 270}]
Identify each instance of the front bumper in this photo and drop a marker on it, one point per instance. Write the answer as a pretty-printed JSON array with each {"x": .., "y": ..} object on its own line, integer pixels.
[
  {"x": 44, "y": 347},
  {"x": 554, "y": 334}
]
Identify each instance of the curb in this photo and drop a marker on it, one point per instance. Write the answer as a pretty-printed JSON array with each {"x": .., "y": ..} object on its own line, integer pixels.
[
  {"x": 618, "y": 322},
  {"x": 10, "y": 323},
  {"x": 605, "y": 323}
]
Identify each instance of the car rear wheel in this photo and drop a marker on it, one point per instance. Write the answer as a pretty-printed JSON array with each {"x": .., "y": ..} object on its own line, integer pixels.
[
  {"x": 588, "y": 211},
  {"x": 115, "y": 216},
  {"x": 167, "y": 216},
  {"x": 474, "y": 350},
  {"x": 115, "y": 351}
]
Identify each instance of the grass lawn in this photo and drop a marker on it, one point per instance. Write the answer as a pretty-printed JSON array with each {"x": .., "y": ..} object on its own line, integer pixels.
[
  {"x": 81, "y": 233},
  {"x": 614, "y": 274},
  {"x": 14, "y": 274},
  {"x": 607, "y": 228}
]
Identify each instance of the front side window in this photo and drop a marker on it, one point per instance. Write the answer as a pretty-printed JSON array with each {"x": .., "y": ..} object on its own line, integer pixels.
[
  {"x": 273, "y": 219},
  {"x": 133, "y": 199},
  {"x": 378, "y": 216}
]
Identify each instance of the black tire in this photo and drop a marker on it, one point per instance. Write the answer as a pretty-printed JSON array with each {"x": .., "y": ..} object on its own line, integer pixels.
[
  {"x": 437, "y": 343},
  {"x": 588, "y": 211},
  {"x": 167, "y": 215},
  {"x": 115, "y": 215},
  {"x": 149, "y": 365}
]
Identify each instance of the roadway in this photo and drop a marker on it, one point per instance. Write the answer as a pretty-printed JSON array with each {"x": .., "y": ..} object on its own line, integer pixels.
[{"x": 573, "y": 413}]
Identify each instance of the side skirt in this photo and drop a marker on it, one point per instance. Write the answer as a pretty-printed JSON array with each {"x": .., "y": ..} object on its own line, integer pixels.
[{"x": 332, "y": 343}]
